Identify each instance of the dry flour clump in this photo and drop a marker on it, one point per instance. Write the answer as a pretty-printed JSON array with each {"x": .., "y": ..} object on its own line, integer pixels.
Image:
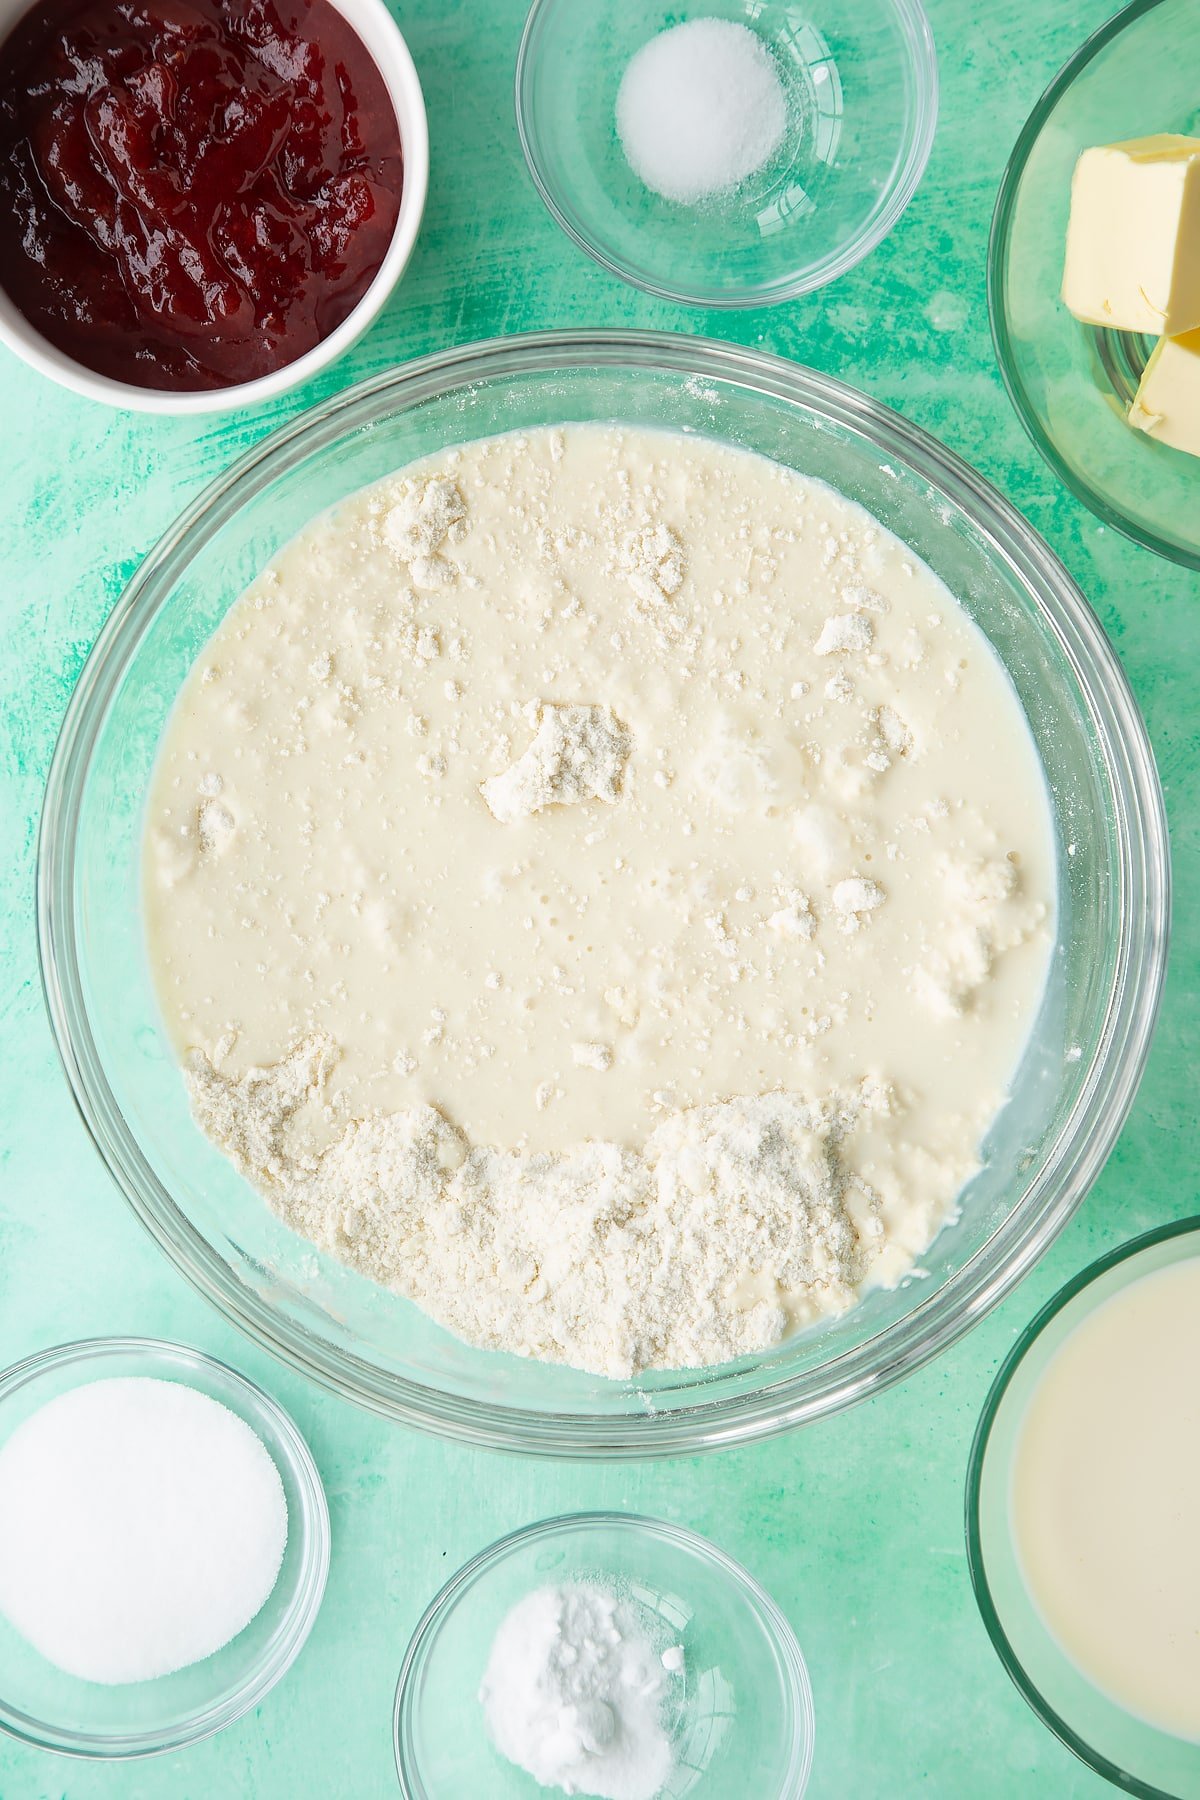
[
  {"x": 855, "y": 899},
  {"x": 579, "y": 753},
  {"x": 843, "y": 634},
  {"x": 652, "y": 562},
  {"x": 215, "y": 827},
  {"x": 416, "y": 528},
  {"x": 734, "y": 1221},
  {"x": 795, "y": 919},
  {"x": 985, "y": 924}
]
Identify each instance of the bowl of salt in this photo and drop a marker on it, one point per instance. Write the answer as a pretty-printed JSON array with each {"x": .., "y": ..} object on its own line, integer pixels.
[
  {"x": 164, "y": 1543},
  {"x": 727, "y": 153}
]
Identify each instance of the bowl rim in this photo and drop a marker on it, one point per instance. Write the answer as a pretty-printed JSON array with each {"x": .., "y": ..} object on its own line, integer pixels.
[
  {"x": 976, "y": 1557},
  {"x": 403, "y": 85},
  {"x": 311, "y": 1528},
  {"x": 1088, "y": 1133},
  {"x": 768, "y": 1611},
  {"x": 999, "y": 240},
  {"x": 903, "y": 181}
]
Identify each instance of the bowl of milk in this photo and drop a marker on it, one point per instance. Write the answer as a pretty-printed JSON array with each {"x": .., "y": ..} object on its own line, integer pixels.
[{"x": 1082, "y": 1519}]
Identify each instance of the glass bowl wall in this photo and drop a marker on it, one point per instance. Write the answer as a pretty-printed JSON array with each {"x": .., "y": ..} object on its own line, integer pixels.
[{"x": 1085, "y": 1055}]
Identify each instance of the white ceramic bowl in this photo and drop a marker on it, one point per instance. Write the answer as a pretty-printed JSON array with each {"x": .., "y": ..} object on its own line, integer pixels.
[{"x": 384, "y": 42}]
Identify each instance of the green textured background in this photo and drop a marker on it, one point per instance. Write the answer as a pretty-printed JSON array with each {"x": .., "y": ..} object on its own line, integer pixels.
[{"x": 854, "y": 1525}]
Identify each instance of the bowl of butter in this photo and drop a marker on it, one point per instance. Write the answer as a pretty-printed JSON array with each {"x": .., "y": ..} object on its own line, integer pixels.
[{"x": 1094, "y": 276}]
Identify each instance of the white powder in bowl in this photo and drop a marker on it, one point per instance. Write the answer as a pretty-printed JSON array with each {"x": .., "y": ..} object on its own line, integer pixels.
[
  {"x": 574, "y": 1693},
  {"x": 142, "y": 1526},
  {"x": 700, "y": 108}
]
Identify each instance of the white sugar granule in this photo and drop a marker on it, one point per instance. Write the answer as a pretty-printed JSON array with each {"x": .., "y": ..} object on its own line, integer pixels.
[
  {"x": 142, "y": 1526},
  {"x": 574, "y": 1692},
  {"x": 700, "y": 108}
]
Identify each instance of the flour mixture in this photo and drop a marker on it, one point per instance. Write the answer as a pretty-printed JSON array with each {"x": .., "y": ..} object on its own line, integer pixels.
[{"x": 600, "y": 883}]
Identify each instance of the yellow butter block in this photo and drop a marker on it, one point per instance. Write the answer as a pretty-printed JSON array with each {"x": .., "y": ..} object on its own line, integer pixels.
[
  {"x": 1167, "y": 404},
  {"x": 1133, "y": 241}
]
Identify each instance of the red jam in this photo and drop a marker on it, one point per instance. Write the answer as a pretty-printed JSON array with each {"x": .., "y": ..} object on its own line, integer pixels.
[{"x": 192, "y": 192}]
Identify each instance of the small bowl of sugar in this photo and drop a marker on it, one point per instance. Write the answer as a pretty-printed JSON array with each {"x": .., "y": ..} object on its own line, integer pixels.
[
  {"x": 602, "y": 1653},
  {"x": 164, "y": 1543},
  {"x": 727, "y": 153}
]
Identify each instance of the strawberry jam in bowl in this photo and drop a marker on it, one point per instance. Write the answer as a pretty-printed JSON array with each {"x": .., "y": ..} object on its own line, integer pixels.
[{"x": 202, "y": 202}]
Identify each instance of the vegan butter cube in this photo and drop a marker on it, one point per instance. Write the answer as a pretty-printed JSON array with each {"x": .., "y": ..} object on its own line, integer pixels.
[
  {"x": 1167, "y": 406},
  {"x": 1133, "y": 241}
]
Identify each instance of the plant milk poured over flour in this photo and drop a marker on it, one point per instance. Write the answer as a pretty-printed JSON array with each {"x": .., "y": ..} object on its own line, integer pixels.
[{"x": 600, "y": 884}]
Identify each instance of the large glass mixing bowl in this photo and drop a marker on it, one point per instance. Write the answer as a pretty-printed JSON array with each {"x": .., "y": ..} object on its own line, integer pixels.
[{"x": 1070, "y": 1095}]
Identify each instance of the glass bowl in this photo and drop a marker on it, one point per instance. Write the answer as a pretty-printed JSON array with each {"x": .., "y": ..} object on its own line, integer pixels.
[
  {"x": 742, "y": 1717},
  {"x": 1125, "y": 1749},
  {"x": 1072, "y": 383},
  {"x": 861, "y": 86},
  {"x": 54, "y": 1711},
  {"x": 1078, "y": 1075}
]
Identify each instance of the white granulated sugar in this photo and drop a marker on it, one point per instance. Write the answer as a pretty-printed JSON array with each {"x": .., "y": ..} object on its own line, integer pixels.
[
  {"x": 579, "y": 753},
  {"x": 142, "y": 1526},
  {"x": 574, "y": 1694},
  {"x": 700, "y": 108}
]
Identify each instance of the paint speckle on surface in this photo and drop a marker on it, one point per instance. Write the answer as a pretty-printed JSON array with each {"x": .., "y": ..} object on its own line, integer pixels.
[{"x": 946, "y": 311}]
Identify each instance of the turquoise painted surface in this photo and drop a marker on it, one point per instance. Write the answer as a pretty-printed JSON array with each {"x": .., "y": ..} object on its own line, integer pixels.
[{"x": 854, "y": 1525}]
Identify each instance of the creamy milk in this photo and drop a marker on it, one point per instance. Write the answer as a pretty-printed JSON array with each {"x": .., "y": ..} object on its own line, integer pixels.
[{"x": 1106, "y": 1497}]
